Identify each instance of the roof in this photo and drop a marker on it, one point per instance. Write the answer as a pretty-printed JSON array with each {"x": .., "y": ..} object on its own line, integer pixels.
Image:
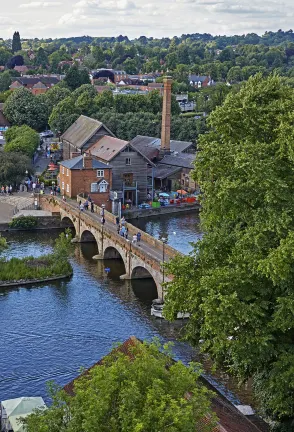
[
  {"x": 150, "y": 146},
  {"x": 76, "y": 163},
  {"x": 197, "y": 78},
  {"x": 163, "y": 171},
  {"x": 21, "y": 407},
  {"x": 107, "y": 147},
  {"x": 82, "y": 130},
  {"x": 33, "y": 80},
  {"x": 183, "y": 160}
]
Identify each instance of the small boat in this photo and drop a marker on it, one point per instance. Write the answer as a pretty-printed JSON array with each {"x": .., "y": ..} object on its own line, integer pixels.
[{"x": 157, "y": 310}]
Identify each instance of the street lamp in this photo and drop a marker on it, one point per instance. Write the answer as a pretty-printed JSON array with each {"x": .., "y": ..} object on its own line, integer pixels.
[{"x": 164, "y": 241}]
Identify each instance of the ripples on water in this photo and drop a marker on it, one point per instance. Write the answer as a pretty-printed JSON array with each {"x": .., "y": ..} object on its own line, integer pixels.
[{"x": 50, "y": 330}]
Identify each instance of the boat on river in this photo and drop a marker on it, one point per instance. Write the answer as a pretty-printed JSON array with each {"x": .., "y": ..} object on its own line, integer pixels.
[{"x": 157, "y": 310}]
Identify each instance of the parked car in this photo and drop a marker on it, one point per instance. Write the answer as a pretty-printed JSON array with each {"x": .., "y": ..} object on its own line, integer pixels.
[
  {"x": 47, "y": 134},
  {"x": 144, "y": 206}
]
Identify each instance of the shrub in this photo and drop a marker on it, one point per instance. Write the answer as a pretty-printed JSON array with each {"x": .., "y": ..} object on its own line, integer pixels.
[{"x": 24, "y": 222}]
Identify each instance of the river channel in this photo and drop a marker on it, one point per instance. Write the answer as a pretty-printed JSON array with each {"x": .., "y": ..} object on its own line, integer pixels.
[{"x": 49, "y": 331}]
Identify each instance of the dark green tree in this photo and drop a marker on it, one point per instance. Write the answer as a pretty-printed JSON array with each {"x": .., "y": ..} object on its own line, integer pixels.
[
  {"x": 238, "y": 283},
  {"x": 22, "y": 107},
  {"x": 5, "y": 81},
  {"x": 143, "y": 391},
  {"x": 16, "y": 44},
  {"x": 41, "y": 58},
  {"x": 13, "y": 166}
]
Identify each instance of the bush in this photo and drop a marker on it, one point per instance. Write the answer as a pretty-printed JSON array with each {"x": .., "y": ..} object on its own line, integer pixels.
[
  {"x": 24, "y": 222},
  {"x": 3, "y": 243}
]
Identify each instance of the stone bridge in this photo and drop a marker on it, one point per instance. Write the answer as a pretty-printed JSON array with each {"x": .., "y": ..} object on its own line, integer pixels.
[{"x": 141, "y": 261}]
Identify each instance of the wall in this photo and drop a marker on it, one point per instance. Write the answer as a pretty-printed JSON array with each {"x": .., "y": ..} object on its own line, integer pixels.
[
  {"x": 138, "y": 168},
  {"x": 79, "y": 181}
]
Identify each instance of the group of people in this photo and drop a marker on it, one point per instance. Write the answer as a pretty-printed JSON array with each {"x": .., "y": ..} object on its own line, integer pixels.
[
  {"x": 123, "y": 230},
  {"x": 6, "y": 190}
]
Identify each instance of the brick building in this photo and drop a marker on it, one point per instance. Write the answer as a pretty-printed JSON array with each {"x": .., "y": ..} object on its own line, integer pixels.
[
  {"x": 84, "y": 174},
  {"x": 36, "y": 84}
]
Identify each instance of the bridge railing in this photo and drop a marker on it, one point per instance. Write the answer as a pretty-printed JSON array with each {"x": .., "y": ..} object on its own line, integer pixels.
[{"x": 147, "y": 238}]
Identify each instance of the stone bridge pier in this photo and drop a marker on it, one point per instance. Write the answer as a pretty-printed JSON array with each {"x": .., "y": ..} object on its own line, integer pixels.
[{"x": 138, "y": 260}]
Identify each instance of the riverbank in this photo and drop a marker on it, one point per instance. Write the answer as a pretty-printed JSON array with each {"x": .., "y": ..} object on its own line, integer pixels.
[
  {"x": 28, "y": 270},
  {"x": 137, "y": 213}
]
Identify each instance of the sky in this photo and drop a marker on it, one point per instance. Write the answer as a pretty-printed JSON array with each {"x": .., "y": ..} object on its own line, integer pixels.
[{"x": 134, "y": 18}]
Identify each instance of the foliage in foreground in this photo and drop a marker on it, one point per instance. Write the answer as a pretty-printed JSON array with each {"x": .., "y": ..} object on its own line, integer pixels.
[
  {"x": 238, "y": 283},
  {"x": 148, "y": 392},
  {"x": 3, "y": 243},
  {"x": 55, "y": 264}
]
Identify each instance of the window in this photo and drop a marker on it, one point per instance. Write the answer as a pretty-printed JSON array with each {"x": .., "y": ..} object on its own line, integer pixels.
[
  {"x": 67, "y": 188},
  {"x": 63, "y": 170},
  {"x": 100, "y": 173},
  {"x": 62, "y": 185},
  {"x": 128, "y": 161},
  {"x": 67, "y": 172},
  {"x": 94, "y": 187}
]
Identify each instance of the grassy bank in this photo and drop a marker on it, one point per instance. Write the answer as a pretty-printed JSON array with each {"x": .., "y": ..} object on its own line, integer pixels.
[
  {"x": 30, "y": 268},
  {"x": 39, "y": 268}
]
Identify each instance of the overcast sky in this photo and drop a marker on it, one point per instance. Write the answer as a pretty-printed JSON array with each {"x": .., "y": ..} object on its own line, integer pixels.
[{"x": 64, "y": 18}]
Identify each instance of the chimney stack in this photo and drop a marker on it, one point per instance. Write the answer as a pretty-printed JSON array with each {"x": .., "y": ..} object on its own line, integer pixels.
[
  {"x": 166, "y": 113},
  {"x": 87, "y": 161}
]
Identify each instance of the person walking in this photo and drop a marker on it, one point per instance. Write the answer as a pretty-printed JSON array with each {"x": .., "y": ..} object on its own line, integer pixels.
[
  {"x": 10, "y": 190},
  {"x": 118, "y": 229},
  {"x": 123, "y": 221},
  {"x": 34, "y": 187},
  {"x": 82, "y": 206},
  {"x": 139, "y": 237},
  {"x": 92, "y": 206},
  {"x": 126, "y": 233},
  {"x": 117, "y": 221},
  {"x": 134, "y": 238}
]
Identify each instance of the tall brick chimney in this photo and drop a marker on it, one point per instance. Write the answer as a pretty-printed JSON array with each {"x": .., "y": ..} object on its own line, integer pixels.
[
  {"x": 87, "y": 161},
  {"x": 166, "y": 113}
]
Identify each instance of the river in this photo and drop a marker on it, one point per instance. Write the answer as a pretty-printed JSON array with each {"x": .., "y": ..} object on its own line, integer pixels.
[{"x": 49, "y": 331}]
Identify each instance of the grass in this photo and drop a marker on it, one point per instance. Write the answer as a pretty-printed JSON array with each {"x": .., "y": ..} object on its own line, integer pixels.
[{"x": 30, "y": 268}]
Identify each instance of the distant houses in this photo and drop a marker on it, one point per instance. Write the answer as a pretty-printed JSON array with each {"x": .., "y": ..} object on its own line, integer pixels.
[
  {"x": 200, "y": 81},
  {"x": 37, "y": 84}
]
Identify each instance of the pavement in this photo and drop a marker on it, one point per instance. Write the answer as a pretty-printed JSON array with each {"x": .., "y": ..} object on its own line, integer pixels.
[
  {"x": 153, "y": 251},
  {"x": 8, "y": 204}
]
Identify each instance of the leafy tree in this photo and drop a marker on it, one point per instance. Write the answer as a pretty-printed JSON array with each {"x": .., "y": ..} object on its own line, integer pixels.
[
  {"x": 16, "y": 44},
  {"x": 21, "y": 139},
  {"x": 41, "y": 58},
  {"x": 55, "y": 95},
  {"x": 4, "y": 56},
  {"x": 5, "y": 81},
  {"x": 238, "y": 283},
  {"x": 75, "y": 77},
  {"x": 22, "y": 107},
  {"x": 13, "y": 167},
  {"x": 63, "y": 115},
  {"x": 145, "y": 392}
]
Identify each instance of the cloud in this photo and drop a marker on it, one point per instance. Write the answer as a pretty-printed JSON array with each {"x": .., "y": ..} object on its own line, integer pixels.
[{"x": 39, "y": 4}]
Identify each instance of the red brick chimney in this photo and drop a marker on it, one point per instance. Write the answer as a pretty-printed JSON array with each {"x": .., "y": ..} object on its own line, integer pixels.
[
  {"x": 87, "y": 161},
  {"x": 166, "y": 113}
]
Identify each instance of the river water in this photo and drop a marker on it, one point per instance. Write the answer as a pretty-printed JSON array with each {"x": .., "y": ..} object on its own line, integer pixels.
[{"x": 49, "y": 331}]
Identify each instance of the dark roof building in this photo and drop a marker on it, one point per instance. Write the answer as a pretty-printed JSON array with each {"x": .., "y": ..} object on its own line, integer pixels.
[
  {"x": 150, "y": 146},
  {"x": 77, "y": 163},
  {"x": 83, "y": 133}
]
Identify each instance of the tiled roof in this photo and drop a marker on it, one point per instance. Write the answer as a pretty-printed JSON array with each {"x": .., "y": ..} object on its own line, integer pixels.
[
  {"x": 82, "y": 130},
  {"x": 150, "y": 146},
  {"x": 183, "y": 160},
  {"x": 31, "y": 81},
  {"x": 76, "y": 163},
  {"x": 163, "y": 171},
  {"x": 107, "y": 147},
  {"x": 196, "y": 78}
]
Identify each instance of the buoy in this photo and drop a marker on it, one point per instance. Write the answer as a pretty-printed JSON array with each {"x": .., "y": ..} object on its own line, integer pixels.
[{"x": 107, "y": 270}]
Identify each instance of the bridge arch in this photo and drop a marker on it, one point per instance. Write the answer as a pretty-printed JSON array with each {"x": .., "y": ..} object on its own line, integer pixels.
[
  {"x": 140, "y": 272},
  {"x": 142, "y": 285},
  {"x": 67, "y": 222},
  {"x": 87, "y": 237},
  {"x": 112, "y": 253}
]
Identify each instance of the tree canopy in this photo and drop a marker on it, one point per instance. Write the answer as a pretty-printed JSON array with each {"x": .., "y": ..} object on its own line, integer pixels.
[
  {"x": 22, "y": 107},
  {"x": 16, "y": 44},
  {"x": 238, "y": 283},
  {"x": 22, "y": 139},
  {"x": 144, "y": 390},
  {"x": 13, "y": 167}
]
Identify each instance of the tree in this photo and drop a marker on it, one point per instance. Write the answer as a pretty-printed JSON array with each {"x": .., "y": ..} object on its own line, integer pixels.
[
  {"x": 4, "y": 56},
  {"x": 75, "y": 77},
  {"x": 238, "y": 283},
  {"x": 16, "y": 44},
  {"x": 5, "y": 81},
  {"x": 144, "y": 390},
  {"x": 22, "y": 107},
  {"x": 22, "y": 139},
  {"x": 41, "y": 58},
  {"x": 63, "y": 115},
  {"x": 13, "y": 167},
  {"x": 55, "y": 95}
]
